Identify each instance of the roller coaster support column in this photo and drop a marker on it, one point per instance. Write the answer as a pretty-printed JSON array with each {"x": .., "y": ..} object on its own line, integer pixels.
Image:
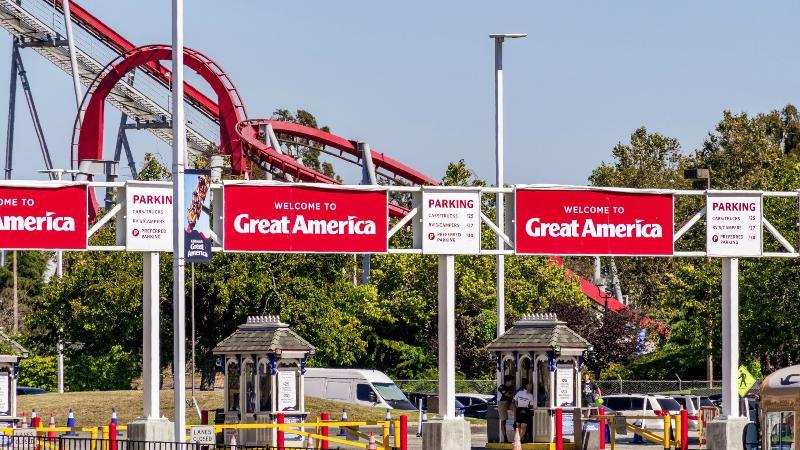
[
  {"x": 73, "y": 60},
  {"x": 449, "y": 432},
  {"x": 178, "y": 263},
  {"x": 368, "y": 177}
]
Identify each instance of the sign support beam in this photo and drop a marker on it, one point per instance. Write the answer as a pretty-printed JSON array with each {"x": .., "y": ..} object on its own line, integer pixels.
[
  {"x": 730, "y": 337},
  {"x": 150, "y": 359},
  {"x": 447, "y": 337}
]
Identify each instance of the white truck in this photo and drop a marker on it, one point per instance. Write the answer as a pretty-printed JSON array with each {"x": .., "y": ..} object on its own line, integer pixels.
[{"x": 356, "y": 386}]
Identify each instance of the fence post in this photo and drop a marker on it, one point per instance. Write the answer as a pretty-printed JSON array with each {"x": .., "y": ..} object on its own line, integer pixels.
[
  {"x": 684, "y": 429},
  {"x": 280, "y": 431},
  {"x": 602, "y": 412},
  {"x": 667, "y": 424},
  {"x": 559, "y": 429},
  {"x": 324, "y": 430},
  {"x": 404, "y": 432}
]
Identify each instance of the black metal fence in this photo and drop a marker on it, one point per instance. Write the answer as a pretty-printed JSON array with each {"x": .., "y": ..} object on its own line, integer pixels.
[{"x": 67, "y": 442}]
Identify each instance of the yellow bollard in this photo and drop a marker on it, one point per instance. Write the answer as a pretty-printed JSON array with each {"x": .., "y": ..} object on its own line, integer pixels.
[
  {"x": 386, "y": 435},
  {"x": 667, "y": 423},
  {"x": 397, "y": 433},
  {"x": 613, "y": 426},
  {"x": 677, "y": 431}
]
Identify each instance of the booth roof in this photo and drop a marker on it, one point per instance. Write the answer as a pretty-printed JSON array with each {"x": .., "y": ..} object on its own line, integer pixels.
[
  {"x": 538, "y": 332},
  {"x": 9, "y": 346},
  {"x": 263, "y": 334}
]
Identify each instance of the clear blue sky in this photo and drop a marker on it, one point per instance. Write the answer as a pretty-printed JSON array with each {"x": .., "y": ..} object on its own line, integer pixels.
[{"x": 415, "y": 78}]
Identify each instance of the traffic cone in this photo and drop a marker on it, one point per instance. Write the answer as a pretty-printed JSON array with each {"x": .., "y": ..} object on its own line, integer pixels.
[
  {"x": 35, "y": 420},
  {"x": 52, "y": 434},
  {"x": 71, "y": 422},
  {"x": 233, "y": 442},
  {"x": 372, "y": 445},
  {"x": 24, "y": 422},
  {"x": 342, "y": 431},
  {"x": 389, "y": 419},
  {"x": 310, "y": 443},
  {"x": 517, "y": 445},
  {"x": 114, "y": 416}
]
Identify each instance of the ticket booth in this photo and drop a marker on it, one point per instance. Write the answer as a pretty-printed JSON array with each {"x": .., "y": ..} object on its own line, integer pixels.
[
  {"x": 780, "y": 408},
  {"x": 11, "y": 352},
  {"x": 549, "y": 355},
  {"x": 264, "y": 363}
]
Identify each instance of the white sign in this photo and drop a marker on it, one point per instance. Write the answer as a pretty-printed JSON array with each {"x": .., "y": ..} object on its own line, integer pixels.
[
  {"x": 148, "y": 219},
  {"x": 733, "y": 224},
  {"x": 5, "y": 390},
  {"x": 565, "y": 384},
  {"x": 451, "y": 222},
  {"x": 287, "y": 389},
  {"x": 202, "y": 434},
  {"x": 24, "y": 438}
]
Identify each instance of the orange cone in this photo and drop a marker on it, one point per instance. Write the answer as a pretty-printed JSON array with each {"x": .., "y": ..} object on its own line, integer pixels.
[
  {"x": 233, "y": 442},
  {"x": 372, "y": 445},
  {"x": 310, "y": 442},
  {"x": 52, "y": 434},
  {"x": 517, "y": 445}
]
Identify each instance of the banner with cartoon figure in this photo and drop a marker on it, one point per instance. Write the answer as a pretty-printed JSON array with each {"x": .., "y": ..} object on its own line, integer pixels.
[{"x": 197, "y": 228}]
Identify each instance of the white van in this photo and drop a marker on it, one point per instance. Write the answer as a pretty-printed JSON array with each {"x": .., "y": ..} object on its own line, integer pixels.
[{"x": 356, "y": 386}]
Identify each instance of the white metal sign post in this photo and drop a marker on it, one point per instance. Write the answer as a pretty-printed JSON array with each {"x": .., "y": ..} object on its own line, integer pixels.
[{"x": 447, "y": 336}]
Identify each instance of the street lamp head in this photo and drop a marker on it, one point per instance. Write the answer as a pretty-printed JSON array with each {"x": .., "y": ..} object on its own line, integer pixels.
[
  {"x": 696, "y": 174},
  {"x": 508, "y": 35}
]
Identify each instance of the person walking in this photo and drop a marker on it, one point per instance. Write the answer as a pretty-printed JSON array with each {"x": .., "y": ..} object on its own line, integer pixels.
[
  {"x": 590, "y": 391},
  {"x": 505, "y": 404}
]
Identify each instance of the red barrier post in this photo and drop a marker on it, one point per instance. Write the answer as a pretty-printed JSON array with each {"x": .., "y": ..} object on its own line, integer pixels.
[
  {"x": 280, "y": 442},
  {"x": 559, "y": 429},
  {"x": 36, "y": 422},
  {"x": 324, "y": 431},
  {"x": 684, "y": 429},
  {"x": 602, "y": 428},
  {"x": 204, "y": 417},
  {"x": 112, "y": 436},
  {"x": 403, "y": 432}
]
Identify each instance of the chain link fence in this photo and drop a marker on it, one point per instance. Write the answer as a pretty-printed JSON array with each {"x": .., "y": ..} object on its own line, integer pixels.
[{"x": 695, "y": 387}]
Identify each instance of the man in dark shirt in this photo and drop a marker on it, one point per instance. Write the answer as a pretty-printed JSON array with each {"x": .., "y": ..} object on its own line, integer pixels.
[
  {"x": 589, "y": 391},
  {"x": 505, "y": 403}
]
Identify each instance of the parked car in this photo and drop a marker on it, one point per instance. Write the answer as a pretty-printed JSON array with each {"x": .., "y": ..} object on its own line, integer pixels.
[
  {"x": 356, "y": 386},
  {"x": 25, "y": 390},
  {"x": 416, "y": 397},
  {"x": 643, "y": 405},
  {"x": 476, "y": 405},
  {"x": 691, "y": 403}
]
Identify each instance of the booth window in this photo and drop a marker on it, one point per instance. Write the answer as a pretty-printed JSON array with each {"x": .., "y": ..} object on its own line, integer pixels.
[
  {"x": 525, "y": 372},
  {"x": 508, "y": 367},
  {"x": 781, "y": 429},
  {"x": 264, "y": 388},
  {"x": 250, "y": 386},
  {"x": 233, "y": 386},
  {"x": 542, "y": 384}
]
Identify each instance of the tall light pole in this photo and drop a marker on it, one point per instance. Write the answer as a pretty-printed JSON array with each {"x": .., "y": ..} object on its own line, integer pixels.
[
  {"x": 498, "y": 139},
  {"x": 178, "y": 262}
]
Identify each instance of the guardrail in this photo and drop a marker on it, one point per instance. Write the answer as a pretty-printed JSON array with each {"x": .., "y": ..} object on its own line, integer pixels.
[{"x": 392, "y": 435}]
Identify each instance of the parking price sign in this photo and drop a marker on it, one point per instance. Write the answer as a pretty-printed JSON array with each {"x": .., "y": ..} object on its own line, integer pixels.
[
  {"x": 734, "y": 224},
  {"x": 451, "y": 221}
]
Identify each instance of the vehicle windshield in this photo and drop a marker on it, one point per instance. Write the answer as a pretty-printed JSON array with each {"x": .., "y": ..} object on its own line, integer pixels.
[
  {"x": 668, "y": 404},
  {"x": 389, "y": 391}
]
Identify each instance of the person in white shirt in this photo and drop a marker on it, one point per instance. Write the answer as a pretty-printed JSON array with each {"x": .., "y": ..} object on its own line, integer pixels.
[{"x": 523, "y": 400}]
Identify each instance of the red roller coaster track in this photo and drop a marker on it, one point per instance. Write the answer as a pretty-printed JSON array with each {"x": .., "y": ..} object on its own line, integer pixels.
[{"x": 238, "y": 136}]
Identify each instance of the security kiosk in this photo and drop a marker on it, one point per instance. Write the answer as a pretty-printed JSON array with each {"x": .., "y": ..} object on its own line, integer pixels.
[
  {"x": 264, "y": 363},
  {"x": 549, "y": 355},
  {"x": 11, "y": 352}
]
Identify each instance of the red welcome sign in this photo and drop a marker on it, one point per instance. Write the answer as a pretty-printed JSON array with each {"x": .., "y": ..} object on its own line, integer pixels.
[
  {"x": 43, "y": 217},
  {"x": 564, "y": 221},
  {"x": 304, "y": 218}
]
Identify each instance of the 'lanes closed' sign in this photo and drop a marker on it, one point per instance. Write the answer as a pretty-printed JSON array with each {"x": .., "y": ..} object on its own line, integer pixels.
[
  {"x": 565, "y": 221},
  {"x": 304, "y": 218}
]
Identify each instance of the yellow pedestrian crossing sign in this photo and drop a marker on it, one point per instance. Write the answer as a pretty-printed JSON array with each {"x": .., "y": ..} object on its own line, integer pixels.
[{"x": 745, "y": 381}]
